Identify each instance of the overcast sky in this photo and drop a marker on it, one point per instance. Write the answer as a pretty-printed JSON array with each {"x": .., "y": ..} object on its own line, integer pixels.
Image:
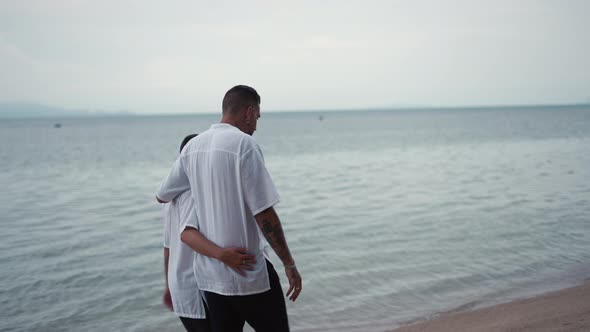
[{"x": 181, "y": 56}]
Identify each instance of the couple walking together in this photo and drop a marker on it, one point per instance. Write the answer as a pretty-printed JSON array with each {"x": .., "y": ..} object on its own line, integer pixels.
[{"x": 221, "y": 200}]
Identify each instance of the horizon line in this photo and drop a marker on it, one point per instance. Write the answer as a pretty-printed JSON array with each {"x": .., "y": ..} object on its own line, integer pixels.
[
  {"x": 382, "y": 108},
  {"x": 72, "y": 113}
]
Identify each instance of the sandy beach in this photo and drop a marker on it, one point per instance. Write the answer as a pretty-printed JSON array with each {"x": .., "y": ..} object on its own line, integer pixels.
[{"x": 565, "y": 310}]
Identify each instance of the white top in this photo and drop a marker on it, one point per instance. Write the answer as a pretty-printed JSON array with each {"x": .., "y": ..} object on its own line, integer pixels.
[
  {"x": 230, "y": 184},
  {"x": 184, "y": 290}
]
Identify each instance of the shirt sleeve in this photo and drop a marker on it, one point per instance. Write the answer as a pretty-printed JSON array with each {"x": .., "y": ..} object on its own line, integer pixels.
[
  {"x": 167, "y": 225},
  {"x": 188, "y": 214},
  {"x": 259, "y": 190},
  {"x": 174, "y": 184}
]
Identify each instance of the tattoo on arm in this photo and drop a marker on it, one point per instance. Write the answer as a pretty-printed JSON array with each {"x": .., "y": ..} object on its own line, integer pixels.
[{"x": 269, "y": 223}]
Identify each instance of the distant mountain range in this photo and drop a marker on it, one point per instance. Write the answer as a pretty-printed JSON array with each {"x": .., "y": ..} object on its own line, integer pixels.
[{"x": 18, "y": 110}]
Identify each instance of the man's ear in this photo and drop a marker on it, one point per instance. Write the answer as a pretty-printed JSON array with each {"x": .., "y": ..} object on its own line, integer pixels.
[{"x": 248, "y": 114}]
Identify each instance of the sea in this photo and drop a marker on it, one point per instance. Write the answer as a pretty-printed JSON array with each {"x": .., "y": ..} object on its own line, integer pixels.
[{"x": 393, "y": 216}]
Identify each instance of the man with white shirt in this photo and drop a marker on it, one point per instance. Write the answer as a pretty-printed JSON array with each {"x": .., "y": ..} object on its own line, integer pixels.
[
  {"x": 182, "y": 294},
  {"x": 234, "y": 197}
]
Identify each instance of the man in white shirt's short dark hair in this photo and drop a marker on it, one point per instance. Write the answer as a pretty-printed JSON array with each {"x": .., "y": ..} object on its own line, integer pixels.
[{"x": 234, "y": 197}]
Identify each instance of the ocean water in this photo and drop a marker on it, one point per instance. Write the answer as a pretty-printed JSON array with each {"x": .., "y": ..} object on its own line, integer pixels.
[{"x": 392, "y": 216}]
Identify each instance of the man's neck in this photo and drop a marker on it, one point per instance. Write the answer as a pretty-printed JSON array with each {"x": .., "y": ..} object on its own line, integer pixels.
[
  {"x": 232, "y": 121},
  {"x": 229, "y": 121}
]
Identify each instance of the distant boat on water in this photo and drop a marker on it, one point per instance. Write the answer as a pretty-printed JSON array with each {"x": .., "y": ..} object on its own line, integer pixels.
[
  {"x": 57, "y": 125},
  {"x": 321, "y": 118}
]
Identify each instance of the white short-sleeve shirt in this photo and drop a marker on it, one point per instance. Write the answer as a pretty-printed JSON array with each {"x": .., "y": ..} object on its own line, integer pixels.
[
  {"x": 184, "y": 289},
  {"x": 224, "y": 169}
]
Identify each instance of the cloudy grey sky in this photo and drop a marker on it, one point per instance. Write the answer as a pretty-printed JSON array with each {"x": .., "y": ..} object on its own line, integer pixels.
[{"x": 181, "y": 56}]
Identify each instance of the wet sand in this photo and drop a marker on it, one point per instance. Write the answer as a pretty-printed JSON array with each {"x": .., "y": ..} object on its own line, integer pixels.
[{"x": 565, "y": 310}]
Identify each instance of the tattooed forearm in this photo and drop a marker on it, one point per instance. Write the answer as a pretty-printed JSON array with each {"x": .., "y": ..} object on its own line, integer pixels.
[{"x": 269, "y": 223}]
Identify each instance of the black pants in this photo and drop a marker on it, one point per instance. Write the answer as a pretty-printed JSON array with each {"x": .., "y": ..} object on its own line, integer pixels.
[
  {"x": 196, "y": 325},
  {"x": 265, "y": 312}
]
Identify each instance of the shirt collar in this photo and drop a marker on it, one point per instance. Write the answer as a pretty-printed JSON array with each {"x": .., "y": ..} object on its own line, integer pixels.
[{"x": 223, "y": 126}]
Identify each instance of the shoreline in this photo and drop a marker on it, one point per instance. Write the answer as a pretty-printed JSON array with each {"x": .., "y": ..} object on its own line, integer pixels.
[{"x": 564, "y": 310}]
